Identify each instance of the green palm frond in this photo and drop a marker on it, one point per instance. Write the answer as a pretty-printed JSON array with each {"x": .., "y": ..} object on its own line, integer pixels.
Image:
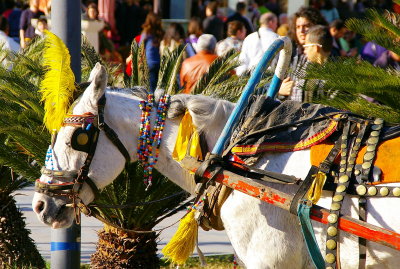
[
  {"x": 379, "y": 28},
  {"x": 19, "y": 163},
  {"x": 169, "y": 68},
  {"x": 353, "y": 84},
  {"x": 129, "y": 189},
  {"x": 219, "y": 71},
  {"x": 89, "y": 59},
  {"x": 31, "y": 66},
  {"x": 9, "y": 182},
  {"x": 31, "y": 141},
  {"x": 359, "y": 77},
  {"x": 140, "y": 70}
]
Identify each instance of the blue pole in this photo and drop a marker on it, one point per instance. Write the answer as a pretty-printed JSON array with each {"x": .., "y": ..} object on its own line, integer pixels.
[
  {"x": 241, "y": 105},
  {"x": 66, "y": 24}
]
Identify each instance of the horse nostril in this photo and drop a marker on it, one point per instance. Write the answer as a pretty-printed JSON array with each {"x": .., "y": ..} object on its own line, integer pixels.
[{"x": 39, "y": 207}]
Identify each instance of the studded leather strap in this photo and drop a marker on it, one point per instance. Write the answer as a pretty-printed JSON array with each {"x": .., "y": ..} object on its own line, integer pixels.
[
  {"x": 368, "y": 159},
  {"x": 347, "y": 162}
]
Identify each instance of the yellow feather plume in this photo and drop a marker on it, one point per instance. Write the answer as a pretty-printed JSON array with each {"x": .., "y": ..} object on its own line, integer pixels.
[{"x": 58, "y": 85}]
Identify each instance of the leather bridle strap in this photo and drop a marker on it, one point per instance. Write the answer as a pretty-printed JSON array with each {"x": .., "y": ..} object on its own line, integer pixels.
[{"x": 110, "y": 133}]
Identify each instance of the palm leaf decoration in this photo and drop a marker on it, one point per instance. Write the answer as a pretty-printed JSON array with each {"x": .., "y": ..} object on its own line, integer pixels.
[
  {"x": 89, "y": 59},
  {"x": 58, "y": 85},
  {"x": 349, "y": 83},
  {"x": 169, "y": 70},
  {"x": 23, "y": 144},
  {"x": 217, "y": 73},
  {"x": 377, "y": 27},
  {"x": 140, "y": 70}
]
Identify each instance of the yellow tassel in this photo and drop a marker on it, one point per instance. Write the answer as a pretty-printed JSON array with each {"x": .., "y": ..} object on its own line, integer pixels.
[
  {"x": 314, "y": 193},
  {"x": 58, "y": 86},
  {"x": 187, "y": 131},
  {"x": 182, "y": 244}
]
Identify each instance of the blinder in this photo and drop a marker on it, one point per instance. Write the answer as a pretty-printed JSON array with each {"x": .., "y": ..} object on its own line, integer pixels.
[{"x": 83, "y": 138}]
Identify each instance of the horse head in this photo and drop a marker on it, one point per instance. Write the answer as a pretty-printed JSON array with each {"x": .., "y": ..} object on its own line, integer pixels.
[{"x": 70, "y": 154}]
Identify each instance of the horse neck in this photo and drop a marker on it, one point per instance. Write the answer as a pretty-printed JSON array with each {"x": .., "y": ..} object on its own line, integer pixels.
[
  {"x": 212, "y": 126},
  {"x": 126, "y": 112}
]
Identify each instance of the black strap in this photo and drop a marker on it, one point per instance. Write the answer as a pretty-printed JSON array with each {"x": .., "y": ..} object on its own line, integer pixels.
[
  {"x": 110, "y": 133},
  {"x": 211, "y": 159},
  {"x": 362, "y": 242},
  {"x": 304, "y": 187},
  {"x": 260, "y": 174}
]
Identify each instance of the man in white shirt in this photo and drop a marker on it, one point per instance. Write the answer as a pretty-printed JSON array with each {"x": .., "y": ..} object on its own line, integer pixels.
[
  {"x": 257, "y": 43},
  {"x": 6, "y": 42}
]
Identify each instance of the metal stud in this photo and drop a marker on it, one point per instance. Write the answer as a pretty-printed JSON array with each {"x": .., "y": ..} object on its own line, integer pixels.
[
  {"x": 331, "y": 244},
  {"x": 341, "y": 188},
  {"x": 351, "y": 161},
  {"x": 371, "y": 147},
  {"x": 358, "y": 140},
  {"x": 332, "y": 231},
  {"x": 362, "y": 190},
  {"x": 344, "y": 137},
  {"x": 369, "y": 156},
  {"x": 343, "y": 146},
  {"x": 357, "y": 172},
  {"x": 396, "y": 191},
  {"x": 343, "y": 162},
  {"x": 343, "y": 179},
  {"x": 378, "y": 121},
  {"x": 373, "y": 140},
  {"x": 332, "y": 218},
  {"x": 353, "y": 154},
  {"x": 376, "y": 127},
  {"x": 384, "y": 191},
  {"x": 337, "y": 198},
  {"x": 374, "y": 133},
  {"x": 372, "y": 191},
  {"x": 335, "y": 206},
  {"x": 343, "y": 154},
  {"x": 366, "y": 165},
  {"x": 341, "y": 170},
  {"x": 349, "y": 169},
  {"x": 356, "y": 147},
  {"x": 330, "y": 258}
]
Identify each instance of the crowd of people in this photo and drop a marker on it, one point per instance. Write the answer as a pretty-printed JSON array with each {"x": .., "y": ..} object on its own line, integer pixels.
[{"x": 318, "y": 32}]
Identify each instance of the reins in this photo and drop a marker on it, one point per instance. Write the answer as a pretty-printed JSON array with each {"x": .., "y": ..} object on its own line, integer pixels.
[
  {"x": 85, "y": 139},
  {"x": 133, "y": 205}
]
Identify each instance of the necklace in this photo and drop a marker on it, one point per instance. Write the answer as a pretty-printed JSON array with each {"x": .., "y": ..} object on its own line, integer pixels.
[{"x": 148, "y": 142}]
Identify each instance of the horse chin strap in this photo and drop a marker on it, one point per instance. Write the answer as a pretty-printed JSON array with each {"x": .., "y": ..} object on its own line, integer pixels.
[{"x": 72, "y": 181}]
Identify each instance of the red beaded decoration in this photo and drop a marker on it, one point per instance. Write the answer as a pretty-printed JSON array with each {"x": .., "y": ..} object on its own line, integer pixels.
[{"x": 147, "y": 142}]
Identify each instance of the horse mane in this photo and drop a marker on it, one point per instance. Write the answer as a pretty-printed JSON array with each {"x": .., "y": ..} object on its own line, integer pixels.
[{"x": 207, "y": 112}]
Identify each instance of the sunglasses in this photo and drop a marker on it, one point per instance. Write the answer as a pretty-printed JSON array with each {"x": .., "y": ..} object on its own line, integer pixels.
[{"x": 310, "y": 45}]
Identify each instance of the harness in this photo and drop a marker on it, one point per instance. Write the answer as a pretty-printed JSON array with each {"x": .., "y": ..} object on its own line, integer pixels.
[
  {"x": 85, "y": 139},
  {"x": 344, "y": 178}
]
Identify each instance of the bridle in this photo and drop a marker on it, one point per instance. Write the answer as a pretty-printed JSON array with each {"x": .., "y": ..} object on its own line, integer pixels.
[{"x": 85, "y": 139}]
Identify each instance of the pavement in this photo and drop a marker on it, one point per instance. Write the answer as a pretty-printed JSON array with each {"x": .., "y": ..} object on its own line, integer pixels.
[{"x": 211, "y": 242}]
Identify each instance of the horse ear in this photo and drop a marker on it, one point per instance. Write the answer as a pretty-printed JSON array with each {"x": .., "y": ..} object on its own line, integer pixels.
[{"x": 98, "y": 82}]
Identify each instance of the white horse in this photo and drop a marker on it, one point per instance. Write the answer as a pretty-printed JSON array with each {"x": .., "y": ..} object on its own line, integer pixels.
[{"x": 262, "y": 235}]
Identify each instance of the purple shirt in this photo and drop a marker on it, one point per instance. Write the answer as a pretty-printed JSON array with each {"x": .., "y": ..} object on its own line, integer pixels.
[{"x": 25, "y": 21}]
